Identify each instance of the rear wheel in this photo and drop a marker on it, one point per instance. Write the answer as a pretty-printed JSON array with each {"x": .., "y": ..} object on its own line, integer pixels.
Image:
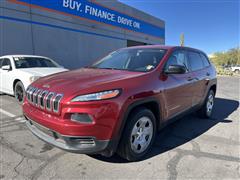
[
  {"x": 138, "y": 135},
  {"x": 19, "y": 92},
  {"x": 206, "y": 109}
]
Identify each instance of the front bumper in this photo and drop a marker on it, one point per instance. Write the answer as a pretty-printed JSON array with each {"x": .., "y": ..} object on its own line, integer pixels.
[{"x": 76, "y": 144}]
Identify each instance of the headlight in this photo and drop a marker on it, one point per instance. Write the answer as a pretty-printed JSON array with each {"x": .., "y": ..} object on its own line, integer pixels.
[
  {"x": 97, "y": 96},
  {"x": 34, "y": 78}
]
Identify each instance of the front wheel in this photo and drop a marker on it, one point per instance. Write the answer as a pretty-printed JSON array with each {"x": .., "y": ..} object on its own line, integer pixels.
[
  {"x": 19, "y": 92},
  {"x": 237, "y": 71},
  {"x": 207, "y": 108},
  {"x": 138, "y": 135}
]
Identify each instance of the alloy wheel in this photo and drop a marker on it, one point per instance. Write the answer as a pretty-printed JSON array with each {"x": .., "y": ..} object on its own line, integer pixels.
[
  {"x": 141, "y": 135},
  {"x": 19, "y": 94},
  {"x": 210, "y": 103}
]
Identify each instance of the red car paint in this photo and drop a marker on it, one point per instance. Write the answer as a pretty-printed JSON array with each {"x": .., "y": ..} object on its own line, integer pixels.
[{"x": 175, "y": 94}]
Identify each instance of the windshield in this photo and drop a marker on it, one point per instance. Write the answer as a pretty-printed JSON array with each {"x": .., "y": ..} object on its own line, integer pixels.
[
  {"x": 142, "y": 60},
  {"x": 33, "y": 62}
]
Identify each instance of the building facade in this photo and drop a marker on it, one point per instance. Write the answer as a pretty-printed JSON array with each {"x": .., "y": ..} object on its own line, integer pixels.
[{"x": 74, "y": 32}]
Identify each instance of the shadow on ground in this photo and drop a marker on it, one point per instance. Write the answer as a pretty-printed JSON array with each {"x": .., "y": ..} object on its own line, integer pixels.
[{"x": 185, "y": 130}]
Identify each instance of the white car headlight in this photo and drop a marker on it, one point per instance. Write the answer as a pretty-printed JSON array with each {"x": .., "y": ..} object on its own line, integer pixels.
[
  {"x": 97, "y": 96},
  {"x": 34, "y": 78}
]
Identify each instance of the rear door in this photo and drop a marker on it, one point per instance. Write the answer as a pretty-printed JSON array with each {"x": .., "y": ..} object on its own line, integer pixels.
[
  {"x": 178, "y": 90},
  {"x": 200, "y": 72}
]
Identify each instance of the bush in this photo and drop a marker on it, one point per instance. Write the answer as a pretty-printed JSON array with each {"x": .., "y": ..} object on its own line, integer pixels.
[
  {"x": 224, "y": 71},
  {"x": 228, "y": 58}
]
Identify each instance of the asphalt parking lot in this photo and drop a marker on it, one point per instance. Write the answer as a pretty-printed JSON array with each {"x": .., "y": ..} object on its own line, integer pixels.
[{"x": 189, "y": 148}]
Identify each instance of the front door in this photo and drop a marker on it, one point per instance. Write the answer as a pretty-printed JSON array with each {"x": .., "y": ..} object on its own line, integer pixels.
[{"x": 178, "y": 88}]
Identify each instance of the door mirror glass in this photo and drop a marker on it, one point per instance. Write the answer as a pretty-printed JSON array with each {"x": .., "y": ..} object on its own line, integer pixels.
[
  {"x": 6, "y": 67},
  {"x": 175, "y": 69}
]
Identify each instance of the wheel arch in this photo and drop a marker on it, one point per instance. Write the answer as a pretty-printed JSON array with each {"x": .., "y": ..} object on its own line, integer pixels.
[
  {"x": 14, "y": 84},
  {"x": 214, "y": 88},
  {"x": 150, "y": 103}
]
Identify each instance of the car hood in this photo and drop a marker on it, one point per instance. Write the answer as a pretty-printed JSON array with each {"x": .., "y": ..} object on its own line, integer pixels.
[
  {"x": 42, "y": 71},
  {"x": 83, "y": 79}
]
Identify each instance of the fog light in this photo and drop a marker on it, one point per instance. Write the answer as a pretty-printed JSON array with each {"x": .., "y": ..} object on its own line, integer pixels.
[{"x": 82, "y": 118}]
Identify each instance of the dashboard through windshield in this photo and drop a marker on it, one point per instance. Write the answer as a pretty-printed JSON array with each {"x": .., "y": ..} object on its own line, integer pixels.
[
  {"x": 142, "y": 60},
  {"x": 33, "y": 62}
]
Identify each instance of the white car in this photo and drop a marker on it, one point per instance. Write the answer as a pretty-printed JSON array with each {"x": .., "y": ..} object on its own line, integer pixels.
[
  {"x": 236, "y": 68},
  {"x": 17, "y": 72}
]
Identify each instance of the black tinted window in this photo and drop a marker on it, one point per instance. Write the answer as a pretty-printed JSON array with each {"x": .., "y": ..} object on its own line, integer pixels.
[
  {"x": 33, "y": 62},
  {"x": 178, "y": 58},
  {"x": 205, "y": 60},
  {"x": 6, "y": 62},
  {"x": 195, "y": 61},
  {"x": 1, "y": 60}
]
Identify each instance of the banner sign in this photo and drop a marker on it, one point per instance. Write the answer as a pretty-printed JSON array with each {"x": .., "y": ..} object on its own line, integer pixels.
[{"x": 96, "y": 12}]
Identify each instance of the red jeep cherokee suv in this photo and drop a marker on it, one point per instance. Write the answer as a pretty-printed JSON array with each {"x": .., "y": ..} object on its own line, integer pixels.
[{"x": 121, "y": 101}]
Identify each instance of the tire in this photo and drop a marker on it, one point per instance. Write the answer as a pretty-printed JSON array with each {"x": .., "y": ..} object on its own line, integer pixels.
[
  {"x": 237, "y": 71},
  {"x": 19, "y": 92},
  {"x": 207, "y": 108},
  {"x": 138, "y": 135}
]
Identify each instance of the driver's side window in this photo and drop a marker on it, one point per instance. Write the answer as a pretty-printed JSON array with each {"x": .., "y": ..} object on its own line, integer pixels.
[
  {"x": 178, "y": 58},
  {"x": 1, "y": 60},
  {"x": 6, "y": 62}
]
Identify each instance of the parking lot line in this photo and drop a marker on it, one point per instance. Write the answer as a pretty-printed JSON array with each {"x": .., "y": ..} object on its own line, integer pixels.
[
  {"x": 7, "y": 113},
  {"x": 20, "y": 119}
]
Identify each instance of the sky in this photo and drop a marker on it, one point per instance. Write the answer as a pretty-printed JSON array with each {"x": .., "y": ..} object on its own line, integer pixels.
[{"x": 209, "y": 25}]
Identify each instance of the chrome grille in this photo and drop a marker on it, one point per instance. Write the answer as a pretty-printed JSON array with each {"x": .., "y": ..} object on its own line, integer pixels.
[
  {"x": 35, "y": 96},
  {"x": 49, "y": 98},
  {"x": 41, "y": 98},
  {"x": 44, "y": 99},
  {"x": 56, "y": 102},
  {"x": 31, "y": 94}
]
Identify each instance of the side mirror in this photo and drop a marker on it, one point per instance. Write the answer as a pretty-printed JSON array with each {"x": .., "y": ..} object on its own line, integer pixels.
[
  {"x": 175, "y": 69},
  {"x": 7, "y": 67}
]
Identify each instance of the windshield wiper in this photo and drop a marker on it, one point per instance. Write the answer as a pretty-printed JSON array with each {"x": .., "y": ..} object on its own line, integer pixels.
[
  {"x": 110, "y": 68},
  {"x": 90, "y": 67}
]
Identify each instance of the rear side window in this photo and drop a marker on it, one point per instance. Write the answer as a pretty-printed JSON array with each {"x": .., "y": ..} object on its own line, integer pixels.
[
  {"x": 195, "y": 61},
  {"x": 205, "y": 60}
]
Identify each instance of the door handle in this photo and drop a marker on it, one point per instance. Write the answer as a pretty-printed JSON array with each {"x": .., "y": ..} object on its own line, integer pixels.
[
  {"x": 192, "y": 78},
  {"x": 207, "y": 74}
]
